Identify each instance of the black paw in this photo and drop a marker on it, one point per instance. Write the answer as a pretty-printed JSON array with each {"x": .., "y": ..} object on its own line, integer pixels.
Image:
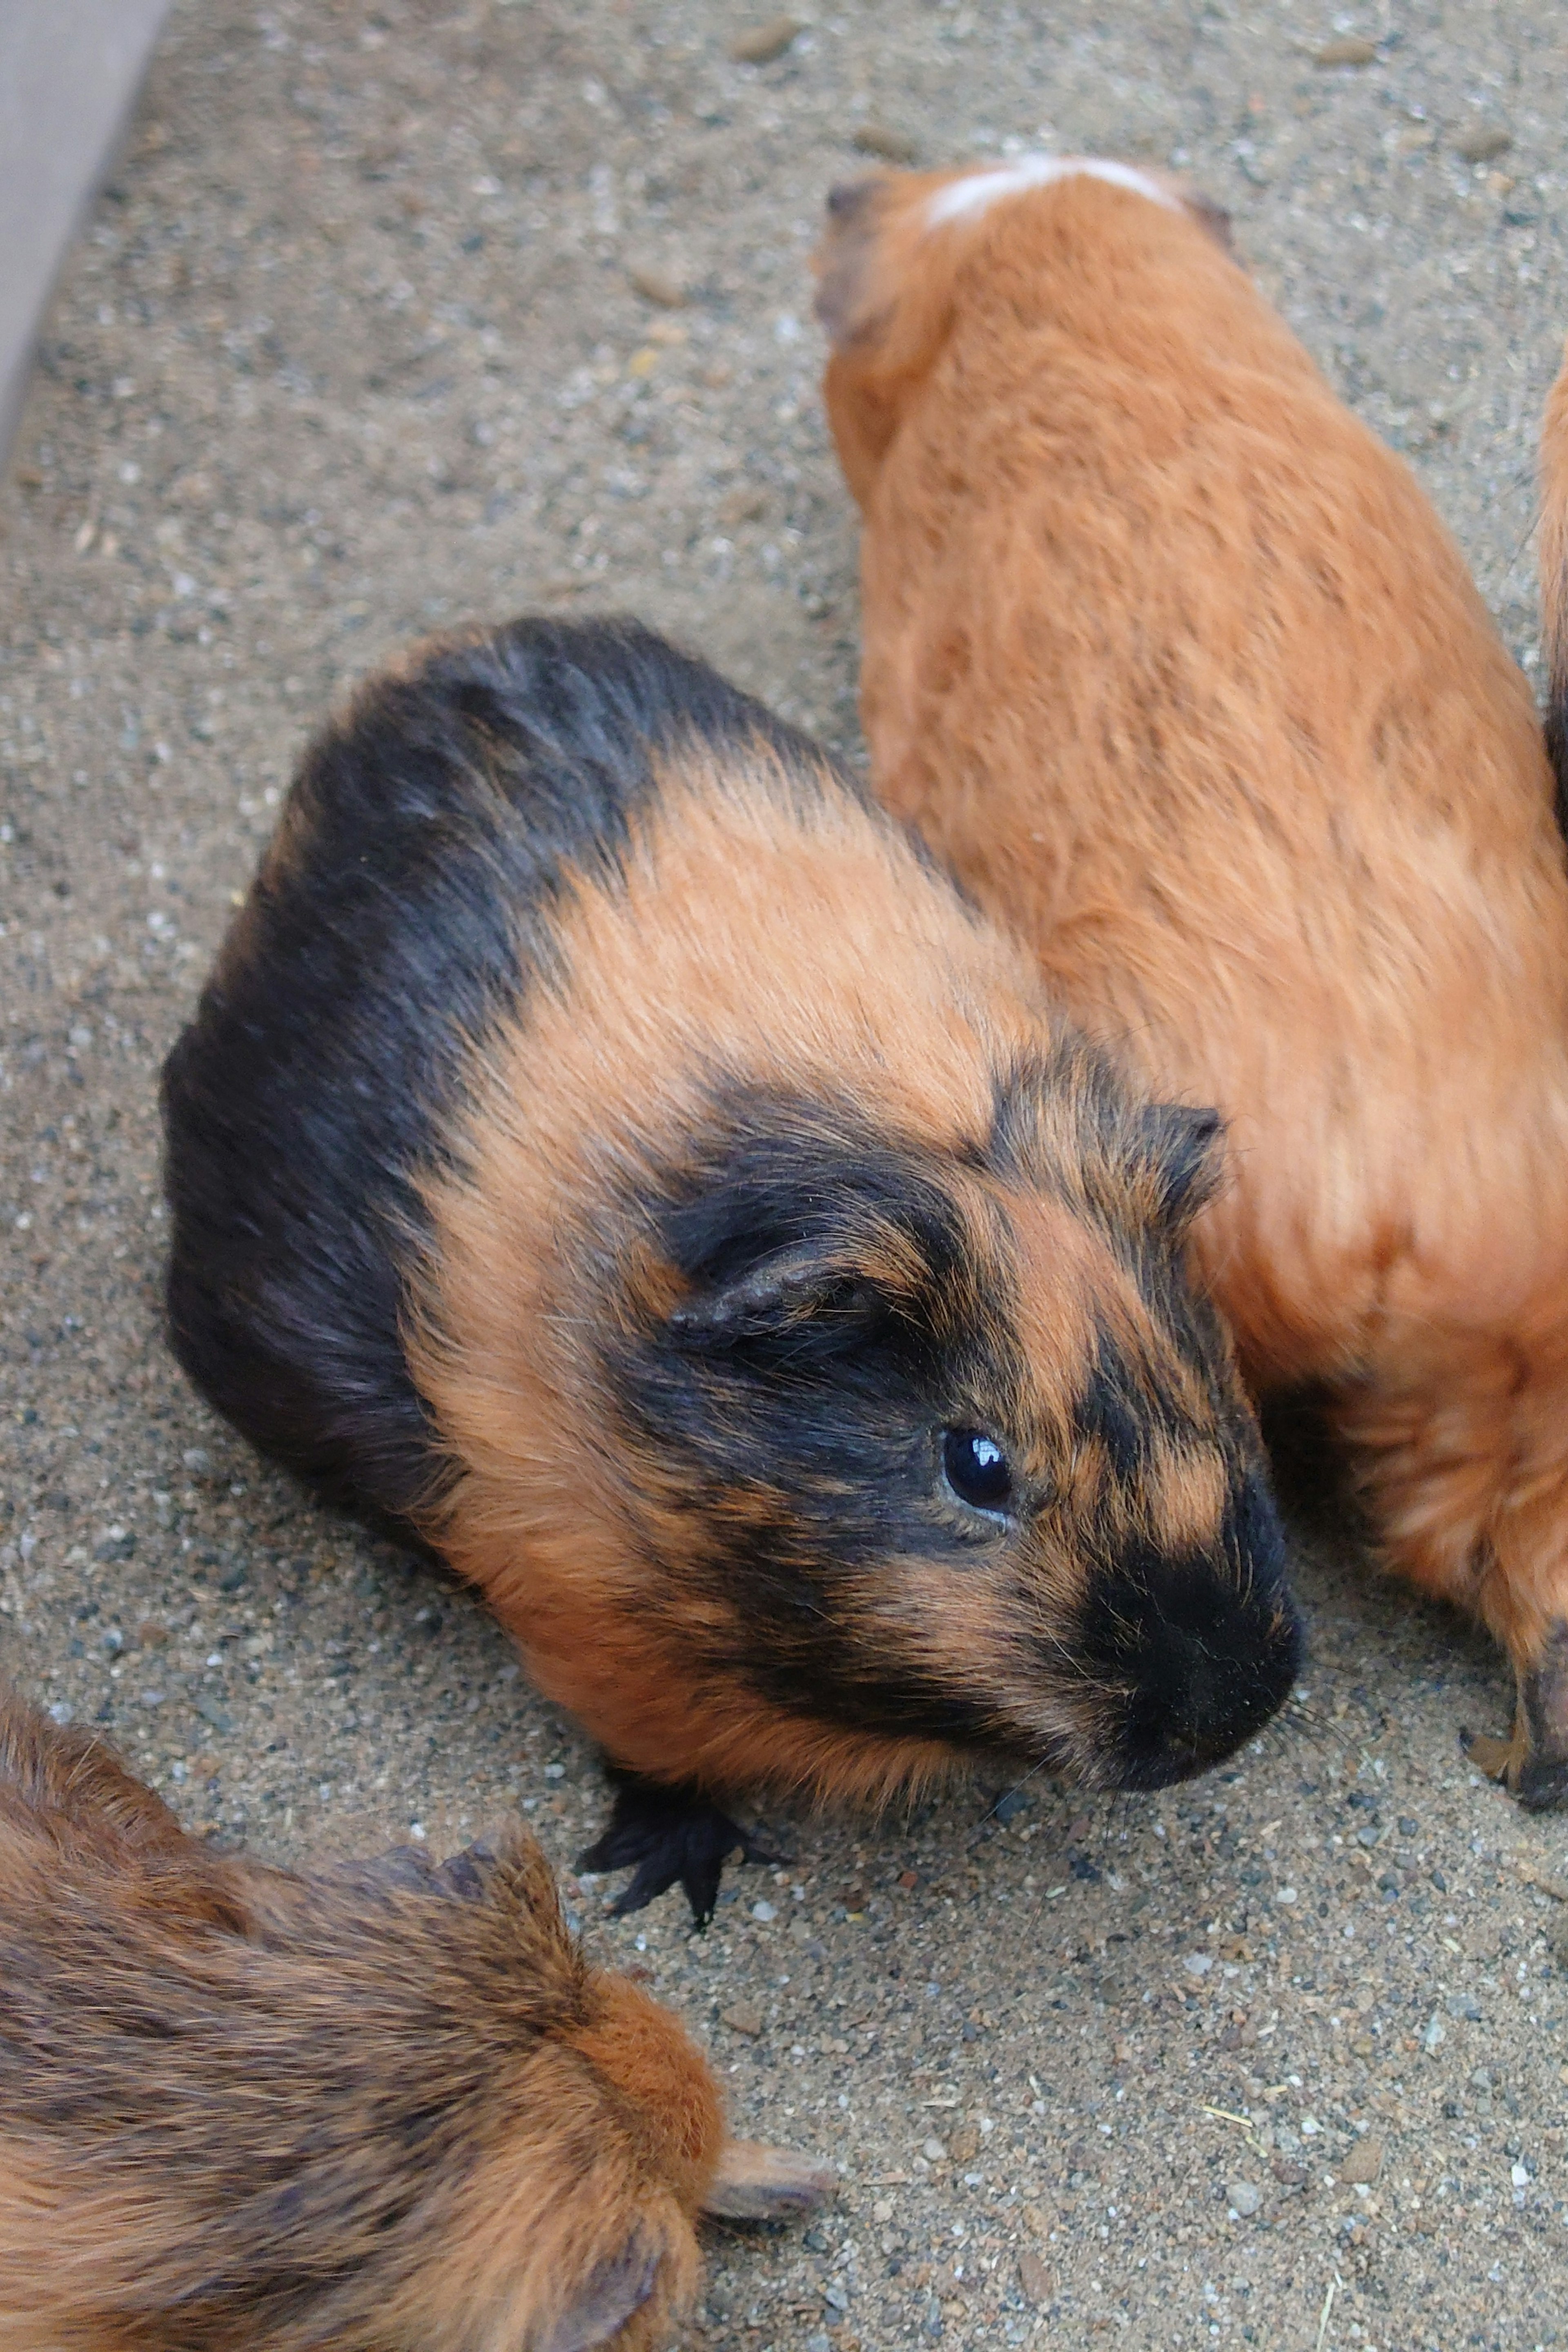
[
  {"x": 1543, "y": 1783},
  {"x": 662, "y": 1834}
]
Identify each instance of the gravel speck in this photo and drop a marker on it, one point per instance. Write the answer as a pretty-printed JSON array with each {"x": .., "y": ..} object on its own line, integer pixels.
[
  {"x": 1036, "y": 2277},
  {"x": 1485, "y": 141},
  {"x": 763, "y": 43},
  {"x": 890, "y": 146},
  {"x": 1351, "y": 51}
]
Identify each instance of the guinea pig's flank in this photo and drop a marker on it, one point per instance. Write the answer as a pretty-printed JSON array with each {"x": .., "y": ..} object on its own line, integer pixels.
[
  {"x": 388, "y": 2108},
  {"x": 1554, "y": 581},
  {"x": 608, "y": 1148},
  {"x": 1173, "y": 662}
]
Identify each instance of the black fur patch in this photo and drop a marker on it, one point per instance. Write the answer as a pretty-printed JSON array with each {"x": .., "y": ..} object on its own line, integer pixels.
[
  {"x": 842, "y": 1315},
  {"x": 801, "y": 1443},
  {"x": 1206, "y": 1649},
  {"x": 1557, "y": 725},
  {"x": 427, "y": 841}
]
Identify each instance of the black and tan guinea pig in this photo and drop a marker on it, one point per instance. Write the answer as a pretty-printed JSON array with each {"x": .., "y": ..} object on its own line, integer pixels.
[
  {"x": 606, "y": 1148},
  {"x": 389, "y": 2108},
  {"x": 1174, "y": 663}
]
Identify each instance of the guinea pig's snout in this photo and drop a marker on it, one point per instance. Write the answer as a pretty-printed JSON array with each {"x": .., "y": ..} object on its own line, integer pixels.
[{"x": 1202, "y": 1648}]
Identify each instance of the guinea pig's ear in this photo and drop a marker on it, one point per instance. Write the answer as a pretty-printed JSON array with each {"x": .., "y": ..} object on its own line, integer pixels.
[
  {"x": 784, "y": 1289},
  {"x": 599, "y": 2305},
  {"x": 1188, "y": 1149}
]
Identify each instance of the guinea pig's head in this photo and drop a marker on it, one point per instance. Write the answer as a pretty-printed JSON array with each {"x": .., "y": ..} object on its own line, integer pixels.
[
  {"x": 937, "y": 1450},
  {"x": 905, "y": 252}
]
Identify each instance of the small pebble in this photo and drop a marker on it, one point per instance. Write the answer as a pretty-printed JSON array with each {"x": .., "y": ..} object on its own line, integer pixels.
[
  {"x": 742, "y": 2019},
  {"x": 1036, "y": 2277},
  {"x": 933, "y": 2152},
  {"x": 1244, "y": 2199},
  {"x": 765, "y": 1912},
  {"x": 891, "y": 146},
  {"x": 656, "y": 286},
  {"x": 763, "y": 42},
  {"x": 1352, "y": 51},
  {"x": 1485, "y": 140},
  {"x": 1364, "y": 2162}
]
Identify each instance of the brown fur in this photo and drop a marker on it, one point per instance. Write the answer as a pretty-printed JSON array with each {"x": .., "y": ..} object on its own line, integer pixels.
[
  {"x": 609, "y": 1146},
  {"x": 1554, "y": 579},
  {"x": 381, "y": 2109},
  {"x": 1173, "y": 661},
  {"x": 562, "y": 1539}
]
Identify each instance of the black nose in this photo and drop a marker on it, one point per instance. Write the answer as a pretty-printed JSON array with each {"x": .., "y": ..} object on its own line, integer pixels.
[{"x": 1202, "y": 1650}]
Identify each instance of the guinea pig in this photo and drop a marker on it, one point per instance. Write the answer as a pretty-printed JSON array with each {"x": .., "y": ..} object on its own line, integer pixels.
[
  {"x": 608, "y": 1148},
  {"x": 388, "y": 2108},
  {"x": 1554, "y": 581},
  {"x": 1173, "y": 661}
]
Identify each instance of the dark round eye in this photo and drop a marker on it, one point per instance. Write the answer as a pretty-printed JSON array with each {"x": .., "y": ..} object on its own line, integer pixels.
[{"x": 977, "y": 1469}]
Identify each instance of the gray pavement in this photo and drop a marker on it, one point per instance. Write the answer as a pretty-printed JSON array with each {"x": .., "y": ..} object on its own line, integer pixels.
[{"x": 400, "y": 312}]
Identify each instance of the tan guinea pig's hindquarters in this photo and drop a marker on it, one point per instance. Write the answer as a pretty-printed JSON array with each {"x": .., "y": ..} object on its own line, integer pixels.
[
  {"x": 389, "y": 2107},
  {"x": 1174, "y": 663}
]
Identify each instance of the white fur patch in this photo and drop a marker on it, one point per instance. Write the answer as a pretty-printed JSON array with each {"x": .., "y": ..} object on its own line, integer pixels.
[{"x": 965, "y": 199}]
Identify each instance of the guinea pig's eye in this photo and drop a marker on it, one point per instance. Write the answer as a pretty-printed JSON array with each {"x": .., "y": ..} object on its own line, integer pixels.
[{"x": 977, "y": 1469}]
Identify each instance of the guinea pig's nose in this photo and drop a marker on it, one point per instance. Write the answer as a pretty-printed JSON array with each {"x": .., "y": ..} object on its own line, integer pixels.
[{"x": 1204, "y": 1651}]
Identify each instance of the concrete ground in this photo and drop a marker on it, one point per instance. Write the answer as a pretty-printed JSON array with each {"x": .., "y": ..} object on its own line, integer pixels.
[{"x": 403, "y": 309}]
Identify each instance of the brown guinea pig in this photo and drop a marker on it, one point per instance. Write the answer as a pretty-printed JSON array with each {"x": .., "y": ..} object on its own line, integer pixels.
[
  {"x": 1555, "y": 579},
  {"x": 608, "y": 1148},
  {"x": 1171, "y": 659},
  {"x": 386, "y": 2108}
]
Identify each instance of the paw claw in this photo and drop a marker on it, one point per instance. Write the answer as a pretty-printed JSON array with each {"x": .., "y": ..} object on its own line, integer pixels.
[{"x": 664, "y": 1834}]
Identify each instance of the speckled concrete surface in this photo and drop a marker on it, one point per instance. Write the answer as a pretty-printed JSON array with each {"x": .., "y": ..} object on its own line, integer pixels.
[{"x": 402, "y": 311}]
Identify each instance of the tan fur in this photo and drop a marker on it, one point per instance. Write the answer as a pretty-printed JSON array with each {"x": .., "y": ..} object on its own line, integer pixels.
[
  {"x": 880, "y": 990},
  {"x": 246, "y": 2111},
  {"x": 1173, "y": 661}
]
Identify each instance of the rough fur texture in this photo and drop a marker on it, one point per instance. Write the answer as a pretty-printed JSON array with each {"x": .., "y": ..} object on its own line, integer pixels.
[
  {"x": 1173, "y": 662},
  {"x": 388, "y": 2108},
  {"x": 608, "y": 1147},
  {"x": 1554, "y": 582}
]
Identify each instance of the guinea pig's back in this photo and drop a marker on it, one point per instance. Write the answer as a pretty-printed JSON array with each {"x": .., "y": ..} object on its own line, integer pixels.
[
  {"x": 1175, "y": 664},
  {"x": 391, "y": 2104},
  {"x": 407, "y": 901}
]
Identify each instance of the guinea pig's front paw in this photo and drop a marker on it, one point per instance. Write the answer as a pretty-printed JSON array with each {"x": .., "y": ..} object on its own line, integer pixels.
[
  {"x": 662, "y": 1834},
  {"x": 1534, "y": 1763}
]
